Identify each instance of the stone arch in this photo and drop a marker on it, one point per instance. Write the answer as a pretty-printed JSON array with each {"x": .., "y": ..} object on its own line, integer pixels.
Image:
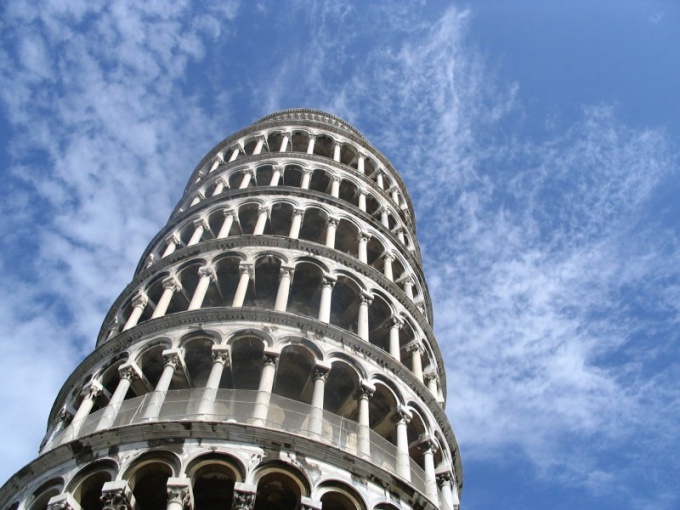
[
  {"x": 263, "y": 174},
  {"x": 300, "y": 141},
  {"x": 86, "y": 485},
  {"x": 305, "y": 292},
  {"x": 212, "y": 478},
  {"x": 417, "y": 430},
  {"x": 42, "y": 494},
  {"x": 154, "y": 291},
  {"x": 281, "y": 218},
  {"x": 147, "y": 477},
  {"x": 381, "y": 407},
  {"x": 227, "y": 274},
  {"x": 320, "y": 180},
  {"x": 348, "y": 154},
  {"x": 344, "y": 380},
  {"x": 274, "y": 139},
  {"x": 345, "y": 302},
  {"x": 188, "y": 277},
  {"x": 379, "y": 314},
  {"x": 280, "y": 486},
  {"x": 150, "y": 361},
  {"x": 292, "y": 175},
  {"x": 247, "y": 349},
  {"x": 198, "y": 358},
  {"x": 337, "y": 495},
  {"x": 248, "y": 214},
  {"x": 314, "y": 224},
  {"x": 324, "y": 146},
  {"x": 372, "y": 204},
  {"x": 347, "y": 237},
  {"x": 294, "y": 374},
  {"x": 267, "y": 268},
  {"x": 235, "y": 177},
  {"x": 215, "y": 220},
  {"x": 349, "y": 192}
]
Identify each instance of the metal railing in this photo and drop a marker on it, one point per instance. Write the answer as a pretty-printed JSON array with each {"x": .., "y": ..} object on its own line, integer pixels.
[{"x": 237, "y": 406}]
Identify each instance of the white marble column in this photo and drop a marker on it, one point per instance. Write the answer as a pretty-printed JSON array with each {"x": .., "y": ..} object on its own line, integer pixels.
[
  {"x": 320, "y": 376},
  {"x": 199, "y": 196},
  {"x": 63, "y": 501},
  {"x": 379, "y": 180},
  {"x": 362, "y": 322},
  {"x": 170, "y": 286},
  {"x": 306, "y": 178},
  {"x": 244, "y": 496},
  {"x": 395, "y": 324},
  {"x": 284, "y": 142},
  {"x": 263, "y": 213},
  {"x": 327, "y": 284},
  {"x": 258, "y": 146},
  {"x": 366, "y": 391},
  {"x": 235, "y": 154},
  {"x": 171, "y": 360},
  {"x": 402, "y": 418},
  {"x": 206, "y": 275},
  {"x": 429, "y": 448},
  {"x": 364, "y": 237},
  {"x": 90, "y": 394},
  {"x": 219, "y": 188},
  {"x": 248, "y": 174},
  {"x": 221, "y": 358},
  {"x": 395, "y": 196},
  {"x": 276, "y": 175},
  {"x": 229, "y": 215},
  {"x": 138, "y": 304},
  {"x": 362, "y": 200},
  {"x": 444, "y": 481},
  {"x": 171, "y": 245},
  {"x": 247, "y": 272},
  {"x": 331, "y": 227},
  {"x": 264, "y": 391},
  {"x": 296, "y": 224},
  {"x": 128, "y": 373},
  {"x": 416, "y": 350},
  {"x": 408, "y": 288},
  {"x": 310, "y": 145},
  {"x": 117, "y": 495},
  {"x": 200, "y": 226},
  {"x": 431, "y": 380},
  {"x": 285, "y": 275},
  {"x": 361, "y": 164},
  {"x": 387, "y": 266},
  {"x": 335, "y": 187},
  {"x": 336, "y": 151},
  {"x": 384, "y": 219},
  {"x": 180, "y": 495}
]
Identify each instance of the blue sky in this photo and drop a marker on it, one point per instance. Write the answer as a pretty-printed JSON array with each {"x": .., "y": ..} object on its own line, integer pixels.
[{"x": 539, "y": 140}]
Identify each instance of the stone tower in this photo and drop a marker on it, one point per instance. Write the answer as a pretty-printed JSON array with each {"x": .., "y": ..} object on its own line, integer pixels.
[{"x": 274, "y": 349}]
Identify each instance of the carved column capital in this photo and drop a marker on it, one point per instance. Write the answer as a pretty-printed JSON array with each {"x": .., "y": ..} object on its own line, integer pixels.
[
  {"x": 207, "y": 271},
  {"x": 366, "y": 390},
  {"x": 244, "y": 268},
  {"x": 328, "y": 281},
  {"x": 321, "y": 371},
  {"x": 227, "y": 211},
  {"x": 171, "y": 358},
  {"x": 200, "y": 222},
  {"x": 364, "y": 237},
  {"x": 365, "y": 299},
  {"x": 179, "y": 491},
  {"x": 170, "y": 282},
  {"x": 173, "y": 238},
  {"x": 403, "y": 414},
  {"x": 271, "y": 358},
  {"x": 332, "y": 222},
  {"x": 128, "y": 372},
  {"x": 92, "y": 390},
  {"x": 395, "y": 322},
  {"x": 298, "y": 211},
  {"x": 221, "y": 354},
  {"x": 117, "y": 496},
  {"x": 140, "y": 300},
  {"x": 286, "y": 271},
  {"x": 244, "y": 496}
]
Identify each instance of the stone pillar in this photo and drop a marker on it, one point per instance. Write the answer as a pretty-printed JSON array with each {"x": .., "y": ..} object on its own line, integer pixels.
[
  {"x": 320, "y": 375},
  {"x": 264, "y": 391},
  {"x": 379, "y": 180},
  {"x": 90, "y": 394},
  {"x": 310, "y": 145},
  {"x": 431, "y": 380},
  {"x": 138, "y": 304},
  {"x": 63, "y": 502},
  {"x": 366, "y": 391},
  {"x": 171, "y": 360},
  {"x": 331, "y": 228},
  {"x": 362, "y": 323},
  {"x": 117, "y": 495},
  {"x": 310, "y": 504},
  {"x": 170, "y": 286},
  {"x": 400, "y": 235},
  {"x": 285, "y": 275},
  {"x": 235, "y": 154},
  {"x": 296, "y": 224},
  {"x": 200, "y": 226},
  {"x": 416, "y": 350},
  {"x": 244, "y": 496},
  {"x": 199, "y": 196},
  {"x": 263, "y": 212},
  {"x": 361, "y": 163},
  {"x": 248, "y": 174},
  {"x": 226, "y": 224},
  {"x": 128, "y": 373},
  {"x": 206, "y": 274},
  {"x": 172, "y": 243},
  {"x": 180, "y": 495},
  {"x": 429, "y": 447},
  {"x": 395, "y": 196},
  {"x": 219, "y": 188},
  {"x": 408, "y": 288},
  {"x": 220, "y": 356},
  {"x": 326, "y": 293},
  {"x": 362, "y": 200},
  {"x": 336, "y": 151},
  {"x": 395, "y": 325},
  {"x": 258, "y": 147},
  {"x": 284, "y": 142},
  {"x": 363, "y": 247},
  {"x": 402, "y": 418},
  {"x": 306, "y": 178},
  {"x": 247, "y": 271},
  {"x": 387, "y": 267},
  {"x": 335, "y": 187},
  {"x": 276, "y": 176},
  {"x": 444, "y": 480}
]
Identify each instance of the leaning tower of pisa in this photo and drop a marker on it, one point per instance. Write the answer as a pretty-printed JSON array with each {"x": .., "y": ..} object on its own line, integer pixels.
[{"x": 274, "y": 349}]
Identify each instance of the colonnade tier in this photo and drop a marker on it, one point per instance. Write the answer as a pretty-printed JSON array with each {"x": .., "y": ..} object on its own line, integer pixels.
[
  {"x": 264, "y": 171},
  {"x": 310, "y": 123},
  {"x": 96, "y": 476},
  {"x": 233, "y": 273}
]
